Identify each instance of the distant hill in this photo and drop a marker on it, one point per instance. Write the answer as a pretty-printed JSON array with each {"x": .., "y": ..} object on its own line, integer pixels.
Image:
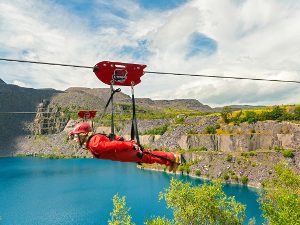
[
  {"x": 96, "y": 98},
  {"x": 17, "y": 99},
  {"x": 1, "y": 81},
  {"x": 238, "y": 107},
  {"x": 190, "y": 104}
]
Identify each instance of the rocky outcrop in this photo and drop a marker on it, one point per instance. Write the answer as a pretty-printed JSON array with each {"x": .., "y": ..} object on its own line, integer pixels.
[
  {"x": 173, "y": 138},
  {"x": 14, "y": 101},
  {"x": 271, "y": 135},
  {"x": 48, "y": 120},
  {"x": 2, "y": 81},
  {"x": 232, "y": 167}
]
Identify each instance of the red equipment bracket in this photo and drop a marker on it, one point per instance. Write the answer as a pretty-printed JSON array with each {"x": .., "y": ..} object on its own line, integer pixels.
[
  {"x": 118, "y": 73},
  {"x": 84, "y": 114}
]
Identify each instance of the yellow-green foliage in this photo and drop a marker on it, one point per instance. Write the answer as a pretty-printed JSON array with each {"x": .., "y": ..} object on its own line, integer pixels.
[
  {"x": 281, "y": 113},
  {"x": 205, "y": 204},
  {"x": 120, "y": 214},
  {"x": 160, "y": 130},
  {"x": 280, "y": 200}
]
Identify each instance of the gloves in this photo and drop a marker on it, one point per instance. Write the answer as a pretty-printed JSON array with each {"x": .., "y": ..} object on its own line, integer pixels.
[{"x": 139, "y": 153}]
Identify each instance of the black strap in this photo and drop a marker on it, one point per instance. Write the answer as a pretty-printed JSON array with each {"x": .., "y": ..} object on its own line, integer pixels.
[
  {"x": 134, "y": 127},
  {"x": 112, "y": 126},
  {"x": 110, "y": 100}
]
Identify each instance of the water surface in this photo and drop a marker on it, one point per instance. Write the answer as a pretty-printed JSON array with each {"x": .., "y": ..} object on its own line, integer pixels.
[{"x": 79, "y": 191}]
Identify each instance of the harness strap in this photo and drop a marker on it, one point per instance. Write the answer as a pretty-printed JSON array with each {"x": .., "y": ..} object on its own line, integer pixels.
[
  {"x": 112, "y": 126},
  {"x": 134, "y": 127},
  {"x": 110, "y": 100}
]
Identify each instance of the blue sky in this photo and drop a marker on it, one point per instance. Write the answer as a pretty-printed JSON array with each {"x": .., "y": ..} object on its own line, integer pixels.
[{"x": 228, "y": 37}]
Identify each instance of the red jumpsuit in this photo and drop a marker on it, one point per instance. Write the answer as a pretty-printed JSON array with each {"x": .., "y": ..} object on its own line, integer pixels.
[{"x": 102, "y": 148}]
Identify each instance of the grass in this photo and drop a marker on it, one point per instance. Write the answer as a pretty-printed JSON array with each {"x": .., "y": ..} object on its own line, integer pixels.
[{"x": 160, "y": 130}]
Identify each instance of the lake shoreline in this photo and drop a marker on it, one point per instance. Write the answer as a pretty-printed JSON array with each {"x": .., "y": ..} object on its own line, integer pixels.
[{"x": 256, "y": 186}]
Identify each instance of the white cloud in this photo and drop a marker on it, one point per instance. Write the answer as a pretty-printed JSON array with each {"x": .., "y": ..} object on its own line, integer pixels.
[{"x": 255, "y": 39}]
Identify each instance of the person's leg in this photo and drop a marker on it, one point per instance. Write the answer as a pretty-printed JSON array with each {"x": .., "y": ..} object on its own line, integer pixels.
[{"x": 160, "y": 157}]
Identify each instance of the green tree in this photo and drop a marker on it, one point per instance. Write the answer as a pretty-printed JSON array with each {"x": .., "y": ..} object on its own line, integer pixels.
[
  {"x": 277, "y": 113},
  {"x": 159, "y": 221},
  {"x": 210, "y": 129},
  {"x": 226, "y": 113},
  {"x": 120, "y": 214},
  {"x": 297, "y": 113},
  {"x": 251, "y": 117},
  {"x": 280, "y": 199},
  {"x": 205, "y": 204}
]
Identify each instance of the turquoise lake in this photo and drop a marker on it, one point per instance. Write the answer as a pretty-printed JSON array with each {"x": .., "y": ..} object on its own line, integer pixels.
[{"x": 79, "y": 191}]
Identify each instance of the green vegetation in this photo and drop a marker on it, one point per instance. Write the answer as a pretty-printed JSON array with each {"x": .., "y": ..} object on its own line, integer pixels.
[
  {"x": 185, "y": 167},
  {"x": 225, "y": 114},
  {"x": 288, "y": 153},
  {"x": 208, "y": 204},
  {"x": 120, "y": 214},
  {"x": 247, "y": 154},
  {"x": 226, "y": 177},
  {"x": 160, "y": 130},
  {"x": 179, "y": 120},
  {"x": 279, "y": 113},
  {"x": 205, "y": 204},
  {"x": 212, "y": 129},
  {"x": 192, "y": 132},
  {"x": 280, "y": 199},
  {"x": 125, "y": 114},
  {"x": 228, "y": 158},
  {"x": 201, "y": 149},
  {"x": 198, "y": 173},
  {"x": 244, "y": 179}
]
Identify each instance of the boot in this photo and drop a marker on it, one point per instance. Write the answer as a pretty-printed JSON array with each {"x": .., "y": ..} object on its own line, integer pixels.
[
  {"x": 177, "y": 162},
  {"x": 173, "y": 167}
]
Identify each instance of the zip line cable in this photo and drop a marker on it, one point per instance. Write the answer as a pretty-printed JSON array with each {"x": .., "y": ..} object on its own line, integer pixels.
[
  {"x": 45, "y": 63},
  {"x": 155, "y": 72}
]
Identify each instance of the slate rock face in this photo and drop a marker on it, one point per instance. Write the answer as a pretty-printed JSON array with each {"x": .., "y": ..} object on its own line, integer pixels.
[
  {"x": 15, "y": 99},
  {"x": 1, "y": 81}
]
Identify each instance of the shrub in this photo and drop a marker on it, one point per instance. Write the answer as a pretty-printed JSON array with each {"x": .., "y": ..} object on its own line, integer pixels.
[
  {"x": 278, "y": 148},
  {"x": 288, "y": 153},
  {"x": 210, "y": 130},
  {"x": 226, "y": 176},
  {"x": 201, "y": 149},
  {"x": 297, "y": 113},
  {"x": 251, "y": 117},
  {"x": 235, "y": 177},
  {"x": 280, "y": 199},
  {"x": 179, "y": 120},
  {"x": 231, "y": 172},
  {"x": 120, "y": 213},
  {"x": 225, "y": 114},
  {"x": 160, "y": 130},
  {"x": 228, "y": 158},
  {"x": 244, "y": 179},
  {"x": 192, "y": 131},
  {"x": 184, "y": 168},
  {"x": 198, "y": 173}
]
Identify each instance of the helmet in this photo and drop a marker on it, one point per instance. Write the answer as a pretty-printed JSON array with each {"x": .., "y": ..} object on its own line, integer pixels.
[{"x": 83, "y": 127}]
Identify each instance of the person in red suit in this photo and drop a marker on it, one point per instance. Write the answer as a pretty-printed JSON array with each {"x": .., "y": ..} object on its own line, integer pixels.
[{"x": 119, "y": 149}]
